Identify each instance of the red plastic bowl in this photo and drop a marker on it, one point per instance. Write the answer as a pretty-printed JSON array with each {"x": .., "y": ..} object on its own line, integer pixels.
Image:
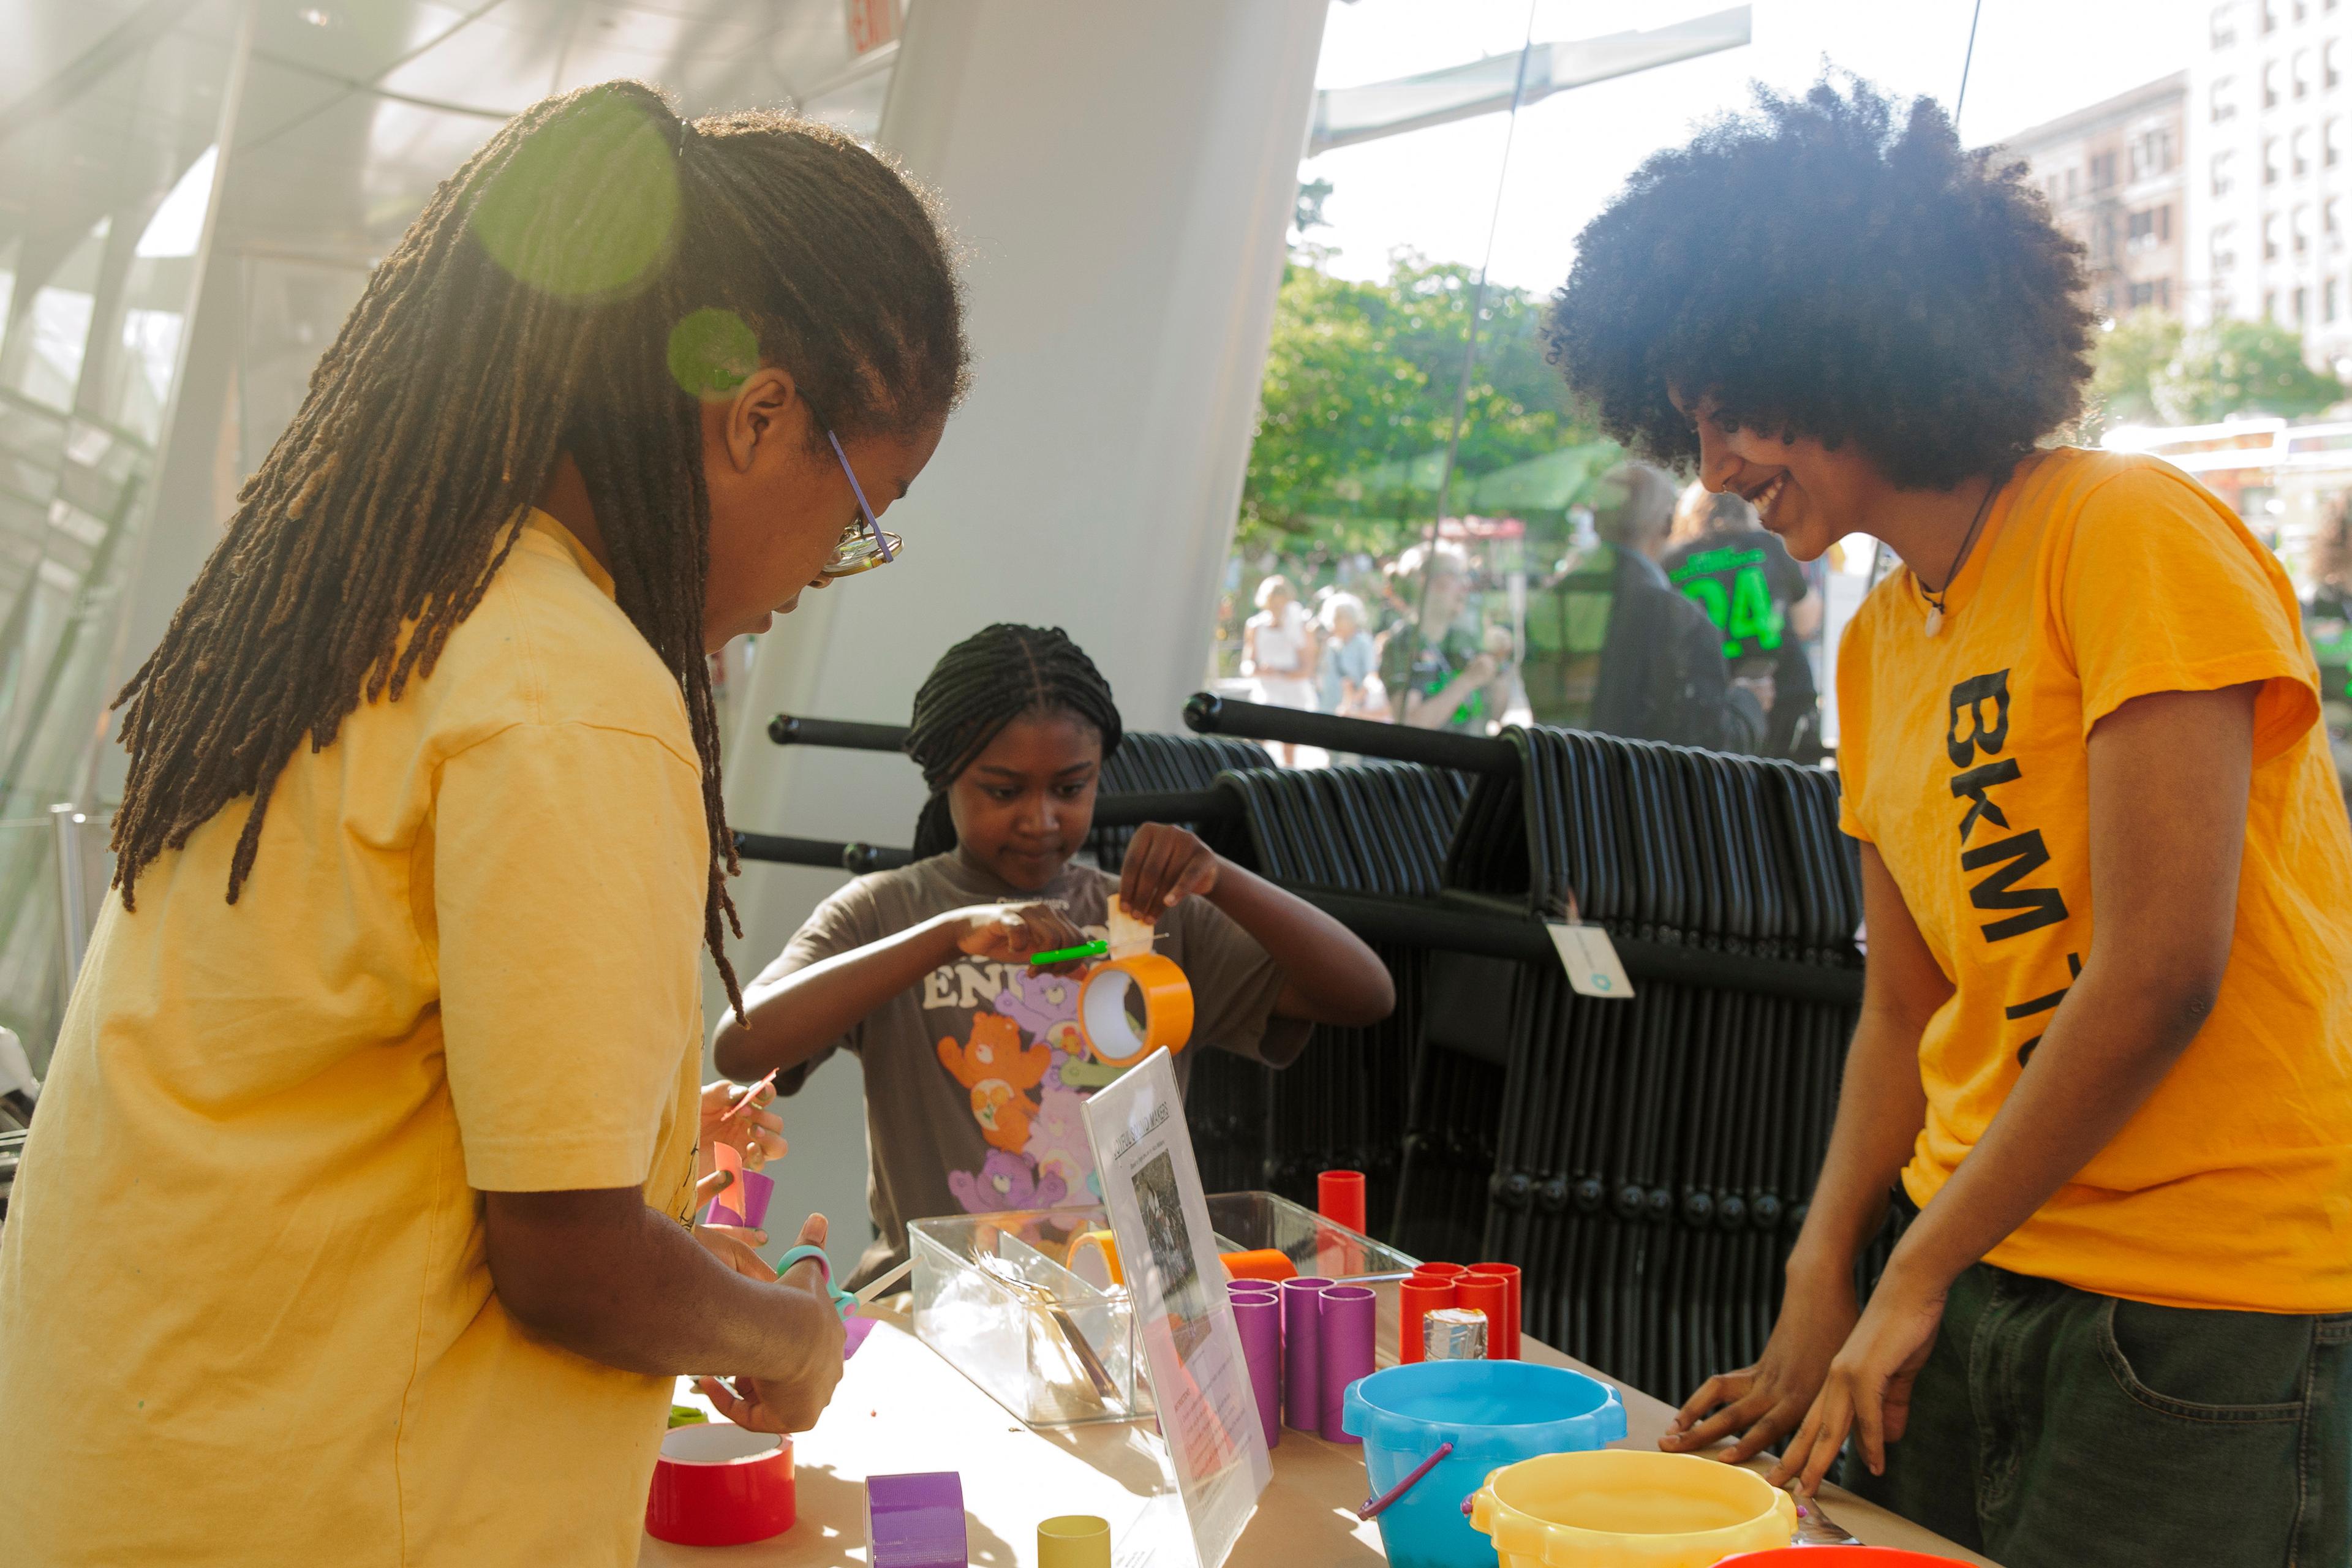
[
  {"x": 719, "y": 1485},
  {"x": 1836, "y": 1557}
]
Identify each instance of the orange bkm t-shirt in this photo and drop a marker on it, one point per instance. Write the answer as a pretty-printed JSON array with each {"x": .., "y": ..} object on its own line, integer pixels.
[{"x": 2100, "y": 578}]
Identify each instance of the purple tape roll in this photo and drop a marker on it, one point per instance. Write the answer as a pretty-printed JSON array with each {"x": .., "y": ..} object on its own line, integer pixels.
[
  {"x": 1302, "y": 1353},
  {"x": 1347, "y": 1324},
  {"x": 1259, "y": 1318}
]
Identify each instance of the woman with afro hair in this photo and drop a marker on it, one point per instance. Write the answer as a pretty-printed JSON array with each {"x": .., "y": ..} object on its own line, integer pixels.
[{"x": 2118, "y": 1326}]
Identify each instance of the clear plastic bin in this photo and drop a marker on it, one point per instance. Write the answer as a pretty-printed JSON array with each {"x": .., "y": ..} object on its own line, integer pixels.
[{"x": 1054, "y": 1350}]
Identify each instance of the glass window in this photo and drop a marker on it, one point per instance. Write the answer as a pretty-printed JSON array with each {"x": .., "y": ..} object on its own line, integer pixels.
[
  {"x": 2224, "y": 25},
  {"x": 2302, "y": 230},
  {"x": 2271, "y": 237},
  {"x": 2271, "y": 160},
  {"x": 2301, "y": 300},
  {"x": 2224, "y": 246},
  {"x": 2301, "y": 143},
  {"x": 2222, "y": 180},
  {"x": 2329, "y": 74},
  {"x": 2269, "y": 84},
  {"x": 2222, "y": 99},
  {"x": 2301, "y": 72},
  {"x": 2330, "y": 143}
]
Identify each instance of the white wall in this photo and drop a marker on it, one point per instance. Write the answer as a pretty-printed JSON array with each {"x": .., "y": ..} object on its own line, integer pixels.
[{"x": 1123, "y": 178}]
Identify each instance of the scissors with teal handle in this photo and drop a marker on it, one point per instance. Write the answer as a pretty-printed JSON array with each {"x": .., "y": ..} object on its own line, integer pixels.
[{"x": 807, "y": 1252}]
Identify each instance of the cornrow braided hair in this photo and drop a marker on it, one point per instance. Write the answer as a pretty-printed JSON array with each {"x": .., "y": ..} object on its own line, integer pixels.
[
  {"x": 556, "y": 295},
  {"x": 980, "y": 684}
]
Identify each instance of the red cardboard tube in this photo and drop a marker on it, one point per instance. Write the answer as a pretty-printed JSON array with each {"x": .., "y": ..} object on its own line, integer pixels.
[
  {"x": 1340, "y": 1197},
  {"x": 1509, "y": 1274},
  {"x": 1439, "y": 1270},
  {"x": 1416, "y": 1298},
  {"x": 1493, "y": 1297}
]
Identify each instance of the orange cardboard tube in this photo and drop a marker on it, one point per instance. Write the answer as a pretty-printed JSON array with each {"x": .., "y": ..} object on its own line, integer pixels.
[
  {"x": 1416, "y": 1298},
  {"x": 1266, "y": 1263},
  {"x": 1492, "y": 1297}
]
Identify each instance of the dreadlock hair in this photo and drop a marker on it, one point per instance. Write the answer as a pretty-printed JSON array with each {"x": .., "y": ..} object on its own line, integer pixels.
[
  {"x": 996, "y": 675},
  {"x": 558, "y": 294}
]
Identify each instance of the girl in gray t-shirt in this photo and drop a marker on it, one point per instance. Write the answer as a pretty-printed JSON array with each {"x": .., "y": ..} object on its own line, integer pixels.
[{"x": 975, "y": 1066}]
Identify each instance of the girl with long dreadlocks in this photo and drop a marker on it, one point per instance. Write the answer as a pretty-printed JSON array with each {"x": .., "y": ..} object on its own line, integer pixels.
[
  {"x": 385, "y": 1059},
  {"x": 974, "y": 1069}
]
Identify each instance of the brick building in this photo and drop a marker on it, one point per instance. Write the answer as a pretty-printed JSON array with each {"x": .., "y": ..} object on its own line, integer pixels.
[{"x": 2114, "y": 174}]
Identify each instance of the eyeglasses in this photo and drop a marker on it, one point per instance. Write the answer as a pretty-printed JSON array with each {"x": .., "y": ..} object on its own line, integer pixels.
[{"x": 863, "y": 545}]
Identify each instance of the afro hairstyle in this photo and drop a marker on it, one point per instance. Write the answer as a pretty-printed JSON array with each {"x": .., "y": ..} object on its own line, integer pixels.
[{"x": 1830, "y": 266}]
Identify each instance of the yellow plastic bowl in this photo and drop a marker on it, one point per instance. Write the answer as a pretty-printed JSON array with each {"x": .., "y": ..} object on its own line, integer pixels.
[{"x": 1625, "y": 1509}]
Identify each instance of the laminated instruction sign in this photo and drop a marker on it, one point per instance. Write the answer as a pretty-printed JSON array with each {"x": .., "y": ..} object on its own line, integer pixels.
[{"x": 1200, "y": 1378}]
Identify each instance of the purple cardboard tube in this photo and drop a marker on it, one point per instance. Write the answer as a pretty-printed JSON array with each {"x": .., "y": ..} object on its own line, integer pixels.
[
  {"x": 1259, "y": 1318},
  {"x": 1302, "y": 1353},
  {"x": 753, "y": 1200},
  {"x": 1348, "y": 1325},
  {"x": 916, "y": 1521}
]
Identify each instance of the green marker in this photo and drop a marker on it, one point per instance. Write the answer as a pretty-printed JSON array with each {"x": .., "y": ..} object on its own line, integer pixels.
[{"x": 1096, "y": 949}]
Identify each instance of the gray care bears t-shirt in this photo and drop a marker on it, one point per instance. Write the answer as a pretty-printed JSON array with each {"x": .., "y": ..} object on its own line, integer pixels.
[{"x": 974, "y": 1078}]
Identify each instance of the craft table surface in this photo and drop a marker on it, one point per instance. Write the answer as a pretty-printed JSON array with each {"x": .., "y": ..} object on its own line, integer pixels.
[{"x": 901, "y": 1408}]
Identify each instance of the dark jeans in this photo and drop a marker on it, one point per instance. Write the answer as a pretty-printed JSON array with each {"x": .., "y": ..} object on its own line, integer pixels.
[{"x": 2053, "y": 1428}]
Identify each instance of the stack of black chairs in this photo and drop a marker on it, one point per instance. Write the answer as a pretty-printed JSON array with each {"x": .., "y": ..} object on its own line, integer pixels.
[
  {"x": 1654, "y": 1157},
  {"x": 1147, "y": 760},
  {"x": 1377, "y": 828}
]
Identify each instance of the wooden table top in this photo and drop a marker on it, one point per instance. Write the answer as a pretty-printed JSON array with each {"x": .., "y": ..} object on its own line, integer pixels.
[{"x": 901, "y": 1408}]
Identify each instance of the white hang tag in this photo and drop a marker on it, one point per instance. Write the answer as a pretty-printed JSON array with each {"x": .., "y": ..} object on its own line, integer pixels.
[{"x": 1590, "y": 960}]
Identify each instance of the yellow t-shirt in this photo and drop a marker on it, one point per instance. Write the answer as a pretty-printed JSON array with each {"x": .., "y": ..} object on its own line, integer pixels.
[
  {"x": 2101, "y": 578},
  {"x": 244, "y": 1315}
]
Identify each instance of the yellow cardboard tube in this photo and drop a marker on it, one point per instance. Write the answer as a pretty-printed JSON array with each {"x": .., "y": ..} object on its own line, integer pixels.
[
  {"x": 1103, "y": 1022},
  {"x": 1074, "y": 1541},
  {"x": 1094, "y": 1258}
]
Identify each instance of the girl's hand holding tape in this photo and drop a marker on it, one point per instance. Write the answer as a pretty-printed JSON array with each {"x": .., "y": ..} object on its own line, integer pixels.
[
  {"x": 1164, "y": 867},
  {"x": 766, "y": 1404}
]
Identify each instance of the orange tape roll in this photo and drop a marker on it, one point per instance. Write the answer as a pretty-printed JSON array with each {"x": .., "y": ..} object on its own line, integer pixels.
[{"x": 1103, "y": 1022}]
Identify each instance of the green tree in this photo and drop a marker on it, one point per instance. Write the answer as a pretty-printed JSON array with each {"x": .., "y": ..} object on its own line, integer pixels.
[
  {"x": 1358, "y": 402},
  {"x": 2130, "y": 356},
  {"x": 2240, "y": 367}
]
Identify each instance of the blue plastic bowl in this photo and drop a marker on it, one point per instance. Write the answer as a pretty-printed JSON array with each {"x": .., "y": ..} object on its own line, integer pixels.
[{"x": 1495, "y": 1412}]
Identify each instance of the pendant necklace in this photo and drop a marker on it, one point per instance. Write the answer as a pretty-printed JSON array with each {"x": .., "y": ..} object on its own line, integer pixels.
[{"x": 1936, "y": 601}]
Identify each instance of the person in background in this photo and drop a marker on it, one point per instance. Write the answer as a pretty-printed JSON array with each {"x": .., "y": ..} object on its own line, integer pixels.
[
  {"x": 1437, "y": 667},
  {"x": 1759, "y": 598},
  {"x": 976, "y": 1072},
  {"x": 1349, "y": 677},
  {"x": 2327, "y": 624},
  {"x": 1615, "y": 648},
  {"x": 2105, "y": 1041},
  {"x": 1278, "y": 653}
]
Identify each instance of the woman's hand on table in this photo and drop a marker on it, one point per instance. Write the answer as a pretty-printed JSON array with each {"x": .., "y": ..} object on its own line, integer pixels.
[
  {"x": 757, "y": 1133},
  {"x": 779, "y": 1405},
  {"x": 1868, "y": 1391},
  {"x": 1164, "y": 866},
  {"x": 1759, "y": 1404}
]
